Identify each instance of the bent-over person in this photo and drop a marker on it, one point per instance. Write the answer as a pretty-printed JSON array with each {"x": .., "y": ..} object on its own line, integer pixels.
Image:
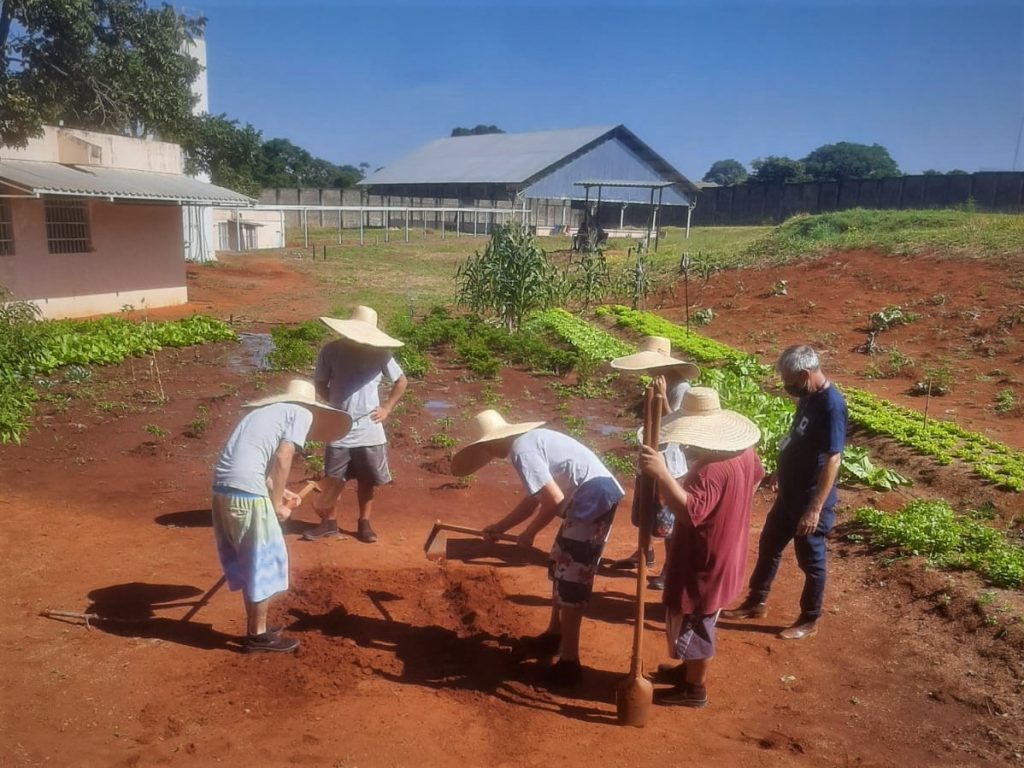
[
  {"x": 250, "y": 500},
  {"x": 562, "y": 478}
]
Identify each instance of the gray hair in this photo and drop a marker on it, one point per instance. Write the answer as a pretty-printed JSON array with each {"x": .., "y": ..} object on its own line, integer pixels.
[{"x": 797, "y": 358}]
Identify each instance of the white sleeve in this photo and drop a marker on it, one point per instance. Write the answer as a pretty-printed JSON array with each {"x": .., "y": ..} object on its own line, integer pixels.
[
  {"x": 393, "y": 370},
  {"x": 296, "y": 428},
  {"x": 533, "y": 470}
]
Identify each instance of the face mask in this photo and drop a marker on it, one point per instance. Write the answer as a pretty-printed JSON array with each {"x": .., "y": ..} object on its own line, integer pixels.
[{"x": 795, "y": 390}]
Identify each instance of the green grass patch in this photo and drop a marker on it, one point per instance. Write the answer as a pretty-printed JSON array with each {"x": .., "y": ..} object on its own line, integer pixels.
[
  {"x": 932, "y": 530},
  {"x": 948, "y": 232},
  {"x": 296, "y": 346}
]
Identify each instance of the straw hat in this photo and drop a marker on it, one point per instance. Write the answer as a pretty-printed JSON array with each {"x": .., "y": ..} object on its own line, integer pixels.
[
  {"x": 655, "y": 352},
  {"x": 328, "y": 423},
  {"x": 362, "y": 328},
  {"x": 487, "y": 427},
  {"x": 702, "y": 423}
]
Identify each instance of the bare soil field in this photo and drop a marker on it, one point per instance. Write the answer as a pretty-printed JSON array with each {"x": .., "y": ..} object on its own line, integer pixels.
[{"x": 407, "y": 662}]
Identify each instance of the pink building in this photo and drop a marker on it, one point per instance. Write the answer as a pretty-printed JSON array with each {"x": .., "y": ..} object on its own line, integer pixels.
[{"x": 91, "y": 222}]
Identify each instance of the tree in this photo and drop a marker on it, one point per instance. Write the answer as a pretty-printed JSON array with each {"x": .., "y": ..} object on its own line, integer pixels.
[
  {"x": 726, "y": 173},
  {"x": 286, "y": 165},
  {"x": 477, "y": 130},
  {"x": 231, "y": 154},
  {"x": 849, "y": 160},
  {"x": 112, "y": 65},
  {"x": 778, "y": 168}
]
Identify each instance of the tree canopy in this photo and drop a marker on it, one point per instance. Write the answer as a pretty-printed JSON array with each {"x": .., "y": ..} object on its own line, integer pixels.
[
  {"x": 778, "y": 168},
  {"x": 726, "y": 173},
  {"x": 477, "y": 130},
  {"x": 849, "y": 160},
  {"x": 111, "y": 65}
]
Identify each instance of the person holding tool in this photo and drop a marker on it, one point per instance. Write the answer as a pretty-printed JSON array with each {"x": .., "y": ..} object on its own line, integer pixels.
[
  {"x": 250, "y": 500},
  {"x": 709, "y": 547},
  {"x": 348, "y": 375},
  {"x": 562, "y": 478},
  {"x": 671, "y": 379}
]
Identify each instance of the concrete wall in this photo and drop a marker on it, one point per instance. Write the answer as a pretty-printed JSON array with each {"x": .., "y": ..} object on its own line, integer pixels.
[
  {"x": 136, "y": 259},
  {"x": 77, "y": 147},
  {"x": 773, "y": 203}
]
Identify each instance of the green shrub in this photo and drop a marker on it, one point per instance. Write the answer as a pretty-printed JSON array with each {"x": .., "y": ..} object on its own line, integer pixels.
[{"x": 296, "y": 347}]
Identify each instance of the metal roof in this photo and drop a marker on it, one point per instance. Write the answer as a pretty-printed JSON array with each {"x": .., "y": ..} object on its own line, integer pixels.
[
  {"x": 42, "y": 178},
  {"x": 495, "y": 158}
]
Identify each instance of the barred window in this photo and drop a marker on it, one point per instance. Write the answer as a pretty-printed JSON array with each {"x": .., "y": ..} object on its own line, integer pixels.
[
  {"x": 67, "y": 226},
  {"x": 6, "y": 230}
]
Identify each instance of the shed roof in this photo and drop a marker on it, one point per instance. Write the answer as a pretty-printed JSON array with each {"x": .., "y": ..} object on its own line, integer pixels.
[
  {"x": 514, "y": 159},
  {"x": 43, "y": 178}
]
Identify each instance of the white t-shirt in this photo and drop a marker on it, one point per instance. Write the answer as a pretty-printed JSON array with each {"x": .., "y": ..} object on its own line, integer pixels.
[
  {"x": 542, "y": 455},
  {"x": 353, "y": 373},
  {"x": 674, "y": 458},
  {"x": 244, "y": 461}
]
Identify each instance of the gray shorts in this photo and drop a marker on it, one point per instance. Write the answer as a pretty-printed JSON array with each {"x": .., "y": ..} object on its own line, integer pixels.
[{"x": 366, "y": 464}]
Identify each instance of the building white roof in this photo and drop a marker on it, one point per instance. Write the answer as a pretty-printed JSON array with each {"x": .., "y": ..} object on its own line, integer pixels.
[
  {"x": 38, "y": 178},
  {"x": 493, "y": 158}
]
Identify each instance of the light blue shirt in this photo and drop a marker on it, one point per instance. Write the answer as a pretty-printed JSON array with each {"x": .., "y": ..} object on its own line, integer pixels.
[
  {"x": 353, "y": 373},
  {"x": 542, "y": 455},
  {"x": 246, "y": 457}
]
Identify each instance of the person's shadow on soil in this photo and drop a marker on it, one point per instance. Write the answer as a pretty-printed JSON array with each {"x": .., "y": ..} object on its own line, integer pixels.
[
  {"x": 439, "y": 658},
  {"x": 609, "y": 607},
  {"x": 129, "y": 610},
  {"x": 496, "y": 555},
  {"x": 189, "y": 518}
]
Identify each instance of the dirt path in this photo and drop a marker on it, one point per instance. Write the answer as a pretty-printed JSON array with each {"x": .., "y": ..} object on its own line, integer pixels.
[{"x": 407, "y": 662}]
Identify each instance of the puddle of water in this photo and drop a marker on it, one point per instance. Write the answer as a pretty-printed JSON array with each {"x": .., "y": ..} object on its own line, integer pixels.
[
  {"x": 609, "y": 429},
  {"x": 253, "y": 351},
  {"x": 438, "y": 405}
]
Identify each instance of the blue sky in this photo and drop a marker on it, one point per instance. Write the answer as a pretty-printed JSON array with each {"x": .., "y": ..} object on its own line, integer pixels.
[{"x": 940, "y": 84}]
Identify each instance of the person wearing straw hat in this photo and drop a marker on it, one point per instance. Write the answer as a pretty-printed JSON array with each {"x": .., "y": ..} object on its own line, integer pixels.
[
  {"x": 672, "y": 379},
  {"x": 709, "y": 546},
  {"x": 250, "y": 500},
  {"x": 804, "y": 509},
  {"x": 562, "y": 478},
  {"x": 348, "y": 374}
]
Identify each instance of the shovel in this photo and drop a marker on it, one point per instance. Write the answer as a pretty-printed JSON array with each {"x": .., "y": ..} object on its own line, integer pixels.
[
  {"x": 436, "y": 545},
  {"x": 635, "y": 693}
]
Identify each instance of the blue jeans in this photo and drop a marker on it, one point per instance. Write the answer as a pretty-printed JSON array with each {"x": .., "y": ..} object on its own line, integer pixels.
[{"x": 779, "y": 530}]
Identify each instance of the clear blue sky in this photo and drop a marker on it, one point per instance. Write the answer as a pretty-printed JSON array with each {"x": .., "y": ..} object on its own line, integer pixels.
[{"x": 940, "y": 84}]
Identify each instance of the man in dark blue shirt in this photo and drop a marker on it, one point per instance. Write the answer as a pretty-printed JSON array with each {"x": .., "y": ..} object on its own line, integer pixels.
[{"x": 804, "y": 510}]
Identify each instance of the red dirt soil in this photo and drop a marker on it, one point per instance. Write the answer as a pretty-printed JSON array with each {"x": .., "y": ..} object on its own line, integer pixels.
[{"x": 409, "y": 662}]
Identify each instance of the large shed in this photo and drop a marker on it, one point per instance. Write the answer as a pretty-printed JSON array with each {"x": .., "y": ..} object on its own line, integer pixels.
[{"x": 565, "y": 165}]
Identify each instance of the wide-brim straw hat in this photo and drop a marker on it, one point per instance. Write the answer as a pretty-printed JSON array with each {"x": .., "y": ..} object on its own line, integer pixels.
[
  {"x": 487, "y": 427},
  {"x": 655, "y": 353},
  {"x": 701, "y": 422},
  {"x": 328, "y": 423},
  {"x": 362, "y": 328}
]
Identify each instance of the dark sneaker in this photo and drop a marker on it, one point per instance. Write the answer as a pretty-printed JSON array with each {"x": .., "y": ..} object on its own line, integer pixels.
[
  {"x": 685, "y": 695},
  {"x": 748, "y": 609},
  {"x": 539, "y": 646},
  {"x": 670, "y": 674},
  {"x": 326, "y": 529},
  {"x": 801, "y": 629},
  {"x": 365, "y": 533},
  {"x": 269, "y": 643},
  {"x": 657, "y": 583},
  {"x": 564, "y": 674}
]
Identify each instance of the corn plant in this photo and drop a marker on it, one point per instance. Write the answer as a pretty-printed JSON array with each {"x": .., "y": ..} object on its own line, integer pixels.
[{"x": 510, "y": 279}]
